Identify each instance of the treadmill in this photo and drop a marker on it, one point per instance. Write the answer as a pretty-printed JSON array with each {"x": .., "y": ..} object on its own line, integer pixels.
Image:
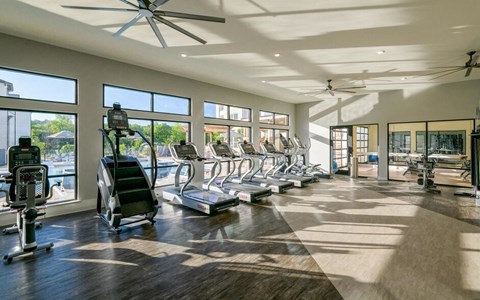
[
  {"x": 279, "y": 163},
  {"x": 208, "y": 202},
  {"x": 222, "y": 152},
  {"x": 250, "y": 153}
]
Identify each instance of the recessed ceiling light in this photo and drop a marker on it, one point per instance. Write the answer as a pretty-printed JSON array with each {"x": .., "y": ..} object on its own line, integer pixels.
[
  {"x": 403, "y": 78},
  {"x": 277, "y": 54},
  {"x": 381, "y": 52},
  {"x": 264, "y": 81},
  {"x": 183, "y": 55}
]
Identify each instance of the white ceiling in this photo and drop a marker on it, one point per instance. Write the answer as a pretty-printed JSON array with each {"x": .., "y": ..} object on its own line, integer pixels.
[{"x": 317, "y": 40}]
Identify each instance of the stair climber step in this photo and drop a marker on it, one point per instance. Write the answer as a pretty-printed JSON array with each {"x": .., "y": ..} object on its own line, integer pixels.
[
  {"x": 135, "y": 201},
  {"x": 130, "y": 183},
  {"x": 124, "y": 172},
  {"x": 134, "y": 195}
]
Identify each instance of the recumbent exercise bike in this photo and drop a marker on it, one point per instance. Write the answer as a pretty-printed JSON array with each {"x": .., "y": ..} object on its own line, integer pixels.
[{"x": 26, "y": 195}]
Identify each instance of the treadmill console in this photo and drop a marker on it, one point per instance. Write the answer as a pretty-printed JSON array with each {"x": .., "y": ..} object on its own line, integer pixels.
[
  {"x": 117, "y": 118},
  {"x": 248, "y": 149},
  {"x": 186, "y": 151},
  {"x": 222, "y": 150},
  {"x": 23, "y": 154},
  {"x": 284, "y": 142},
  {"x": 270, "y": 148}
]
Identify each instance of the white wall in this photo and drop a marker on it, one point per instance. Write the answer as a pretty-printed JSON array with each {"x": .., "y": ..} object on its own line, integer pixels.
[
  {"x": 92, "y": 72},
  {"x": 442, "y": 102}
]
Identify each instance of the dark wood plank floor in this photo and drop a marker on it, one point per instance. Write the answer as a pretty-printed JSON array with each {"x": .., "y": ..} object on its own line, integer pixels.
[{"x": 248, "y": 252}]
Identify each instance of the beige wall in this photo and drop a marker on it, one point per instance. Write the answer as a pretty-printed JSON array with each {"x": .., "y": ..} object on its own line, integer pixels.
[
  {"x": 450, "y": 101},
  {"x": 92, "y": 72}
]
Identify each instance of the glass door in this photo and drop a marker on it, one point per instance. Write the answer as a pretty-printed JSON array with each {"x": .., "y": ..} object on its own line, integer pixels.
[
  {"x": 341, "y": 145},
  {"x": 365, "y": 147}
]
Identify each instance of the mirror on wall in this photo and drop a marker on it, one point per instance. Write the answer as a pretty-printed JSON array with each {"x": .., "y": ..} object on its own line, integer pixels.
[{"x": 445, "y": 143}]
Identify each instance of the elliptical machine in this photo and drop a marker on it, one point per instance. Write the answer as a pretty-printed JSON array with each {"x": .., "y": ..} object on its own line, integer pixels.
[
  {"x": 124, "y": 189},
  {"x": 27, "y": 194}
]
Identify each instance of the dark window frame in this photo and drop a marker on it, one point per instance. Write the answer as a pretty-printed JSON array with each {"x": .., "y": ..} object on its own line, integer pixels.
[
  {"x": 49, "y": 177},
  {"x": 228, "y": 112},
  {"x": 44, "y": 75},
  {"x": 274, "y": 118},
  {"x": 152, "y": 100}
]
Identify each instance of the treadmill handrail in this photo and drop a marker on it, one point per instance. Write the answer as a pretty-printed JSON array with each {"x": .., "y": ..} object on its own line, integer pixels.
[
  {"x": 217, "y": 163},
  {"x": 184, "y": 161},
  {"x": 230, "y": 158},
  {"x": 250, "y": 156},
  {"x": 276, "y": 156}
]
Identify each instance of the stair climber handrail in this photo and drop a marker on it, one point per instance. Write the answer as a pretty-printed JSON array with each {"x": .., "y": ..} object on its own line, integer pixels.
[
  {"x": 115, "y": 159},
  {"x": 153, "y": 157}
]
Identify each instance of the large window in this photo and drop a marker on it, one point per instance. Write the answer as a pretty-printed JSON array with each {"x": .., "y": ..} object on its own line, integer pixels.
[
  {"x": 34, "y": 86},
  {"x": 228, "y": 112},
  {"x": 224, "y": 133},
  {"x": 145, "y": 101},
  {"x": 54, "y": 134},
  {"x": 273, "y": 136},
  {"x": 273, "y": 118},
  {"x": 163, "y": 134}
]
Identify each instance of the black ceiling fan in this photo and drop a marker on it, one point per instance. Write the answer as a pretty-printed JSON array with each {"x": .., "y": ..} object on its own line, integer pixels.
[
  {"x": 148, "y": 9},
  {"x": 469, "y": 65},
  {"x": 331, "y": 90}
]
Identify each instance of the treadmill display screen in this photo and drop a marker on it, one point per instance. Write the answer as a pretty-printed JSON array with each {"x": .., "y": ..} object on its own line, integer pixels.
[
  {"x": 222, "y": 150},
  {"x": 270, "y": 148},
  {"x": 186, "y": 151},
  {"x": 284, "y": 142},
  {"x": 248, "y": 148}
]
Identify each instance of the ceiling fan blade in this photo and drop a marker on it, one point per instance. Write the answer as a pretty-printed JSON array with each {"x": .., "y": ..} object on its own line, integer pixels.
[
  {"x": 474, "y": 61},
  {"x": 153, "y": 6},
  {"x": 446, "y": 74},
  {"x": 351, "y": 87},
  {"x": 129, "y": 3},
  {"x": 447, "y": 67},
  {"x": 173, "y": 14},
  {"x": 438, "y": 72},
  {"x": 342, "y": 91},
  {"x": 469, "y": 70},
  {"x": 99, "y": 8},
  {"x": 157, "y": 32},
  {"x": 313, "y": 93},
  {"x": 331, "y": 92},
  {"x": 126, "y": 26},
  {"x": 179, "y": 29}
]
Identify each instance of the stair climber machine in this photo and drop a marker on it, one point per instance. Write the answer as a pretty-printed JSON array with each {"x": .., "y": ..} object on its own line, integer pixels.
[
  {"x": 313, "y": 169},
  {"x": 292, "y": 162},
  {"x": 249, "y": 153},
  {"x": 27, "y": 195},
  {"x": 222, "y": 152},
  {"x": 279, "y": 162},
  {"x": 124, "y": 189},
  {"x": 209, "y": 202}
]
